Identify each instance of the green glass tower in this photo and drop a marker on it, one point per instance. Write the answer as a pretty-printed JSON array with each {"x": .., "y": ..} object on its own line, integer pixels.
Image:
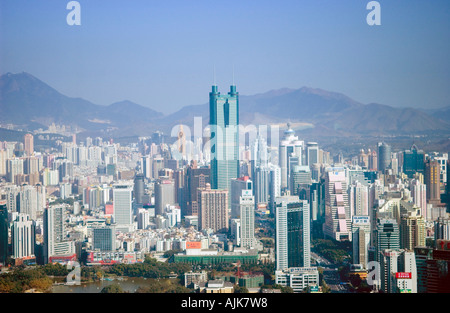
[
  {"x": 3, "y": 232},
  {"x": 224, "y": 140}
]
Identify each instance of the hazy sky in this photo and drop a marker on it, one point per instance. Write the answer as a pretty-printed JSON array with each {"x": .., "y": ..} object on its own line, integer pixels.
[{"x": 162, "y": 53}]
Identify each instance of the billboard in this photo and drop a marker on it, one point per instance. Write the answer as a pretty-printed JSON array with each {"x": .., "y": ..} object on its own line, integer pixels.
[
  {"x": 442, "y": 244},
  {"x": 403, "y": 275},
  {"x": 193, "y": 245}
]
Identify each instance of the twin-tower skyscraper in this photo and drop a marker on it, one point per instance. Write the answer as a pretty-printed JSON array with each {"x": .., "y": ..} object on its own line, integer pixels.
[{"x": 224, "y": 137}]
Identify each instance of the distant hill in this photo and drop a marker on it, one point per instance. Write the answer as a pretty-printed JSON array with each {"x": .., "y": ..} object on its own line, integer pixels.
[{"x": 27, "y": 101}]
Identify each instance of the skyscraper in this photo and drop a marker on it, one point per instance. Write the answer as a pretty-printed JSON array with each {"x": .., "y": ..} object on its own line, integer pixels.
[
  {"x": 237, "y": 186},
  {"x": 419, "y": 195},
  {"x": 293, "y": 245},
  {"x": 196, "y": 177},
  {"x": 104, "y": 238},
  {"x": 29, "y": 144},
  {"x": 56, "y": 244},
  {"x": 413, "y": 161},
  {"x": 4, "y": 226},
  {"x": 300, "y": 178},
  {"x": 312, "y": 153},
  {"x": 290, "y": 154},
  {"x": 164, "y": 194},
  {"x": 23, "y": 236},
  {"x": 224, "y": 142},
  {"x": 247, "y": 219},
  {"x": 337, "y": 210},
  {"x": 387, "y": 236},
  {"x": 432, "y": 181},
  {"x": 384, "y": 156},
  {"x": 213, "y": 209},
  {"x": 139, "y": 188},
  {"x": 122, "y": 202},
  {"x": 361, "y": 239},
  {"x": 412, "y": 230}
]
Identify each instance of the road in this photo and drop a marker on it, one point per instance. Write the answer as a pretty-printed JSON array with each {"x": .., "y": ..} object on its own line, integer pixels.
[{"x": 330, "y": 273}]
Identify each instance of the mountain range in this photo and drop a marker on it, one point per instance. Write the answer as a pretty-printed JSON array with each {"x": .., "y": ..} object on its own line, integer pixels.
[{"x": 29, "y": 102}]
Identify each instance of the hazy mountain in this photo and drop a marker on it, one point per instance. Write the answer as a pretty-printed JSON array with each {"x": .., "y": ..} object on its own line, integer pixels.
[{"x": 26, "y": 100}]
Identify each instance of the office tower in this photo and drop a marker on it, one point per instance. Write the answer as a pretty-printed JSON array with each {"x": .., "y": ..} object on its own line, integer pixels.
[
  {"x": 447, "y": 187},
  {"x": 247, "y": 219},
  {"x": 196, "y": 177},
  {"x": 28, "y": 201},
  {"x": 164, "y": 194},
  {"x": 56, "y": 244},
  {"x": 337, "y": 210},
  {"x": 146, "y": 166},
  {"x": 293, "y": 244},
  {"x": 419, "y": 195},
  {"x": 259, "y": 155},
  {"x": 64, "y": 168},
  {"x": 412, "y": 230},
  {"x": 139, "y": 188},
  {"x": 300, "y": 178},
  {"x": 235, "y": 231},
  {"x": 442, "y": 159},
  {"x": 122, "y": 202},
  {"x": 143, "y": 218},
  {"x": 29, "y": 144},
  {"x": 406, "y": 277},
  {"x": 262, "y": 185},
  {"x": 394, "y": 166},
  {"x": 237, "y": 186},
  {"x": 422, "y": 255},
  {"x": 398, "y": 271},
  {"x": 104, "y": 238},
  {"x": 386, "y": 236},
  {"x": 438, "y": 269},
  {"x": 388, "y": 265},
  {"x": 359, "y": 199},
  {"x": 373, "y": 160},
  {"x": 213, "y": 209},
  {"x": 363, "y": 158},
  {"x": 157, "y": 165},
  {"x": 274, "y": 185},
  {"x": 31, "y": 165},
  {"x": 157, "y": 137},
  {"x": 23, "y": 237},
  {"x": 413, "y": 161},
  {"x": 179, "y": 180},
  {"x": 312, "y": 153},
  {"x": 14, "y": 167},
  {"x": 361, "y": 232},
  {"x": 224, "y": 142},
  {"x": 442, "y": 228},
  {"x": 432, "y": 181},
  {"x": 4, "y": 232},
  {"x": 317, "y": 205},
  {"x": 290, "y": 153},
  {"x": 3, "y": 158},
  {"x": 384, "y": 157}
]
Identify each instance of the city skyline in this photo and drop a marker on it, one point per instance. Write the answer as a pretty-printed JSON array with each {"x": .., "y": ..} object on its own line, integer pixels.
[
  {"x": 291, "y": 190},
  {"x": 147, "y": 49}
]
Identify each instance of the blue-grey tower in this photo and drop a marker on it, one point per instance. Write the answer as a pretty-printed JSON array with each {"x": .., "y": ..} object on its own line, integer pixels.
[{"x": 224, "y": 141}]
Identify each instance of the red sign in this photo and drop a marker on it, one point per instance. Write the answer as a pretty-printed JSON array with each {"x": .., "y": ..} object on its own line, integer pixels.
[
  {"x": 443, "y": 244},
  {"x": 403, "y": 275},
  {"x": 193, "y": 245}
]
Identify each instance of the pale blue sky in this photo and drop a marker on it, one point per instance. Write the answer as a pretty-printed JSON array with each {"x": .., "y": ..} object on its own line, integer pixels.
[{"x": 161, "y": 54}]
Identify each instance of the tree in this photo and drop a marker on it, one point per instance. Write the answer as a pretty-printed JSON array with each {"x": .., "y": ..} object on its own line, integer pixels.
[
  {"x": 113, "y": 288},
  {"x": 240, "y": 289}
]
